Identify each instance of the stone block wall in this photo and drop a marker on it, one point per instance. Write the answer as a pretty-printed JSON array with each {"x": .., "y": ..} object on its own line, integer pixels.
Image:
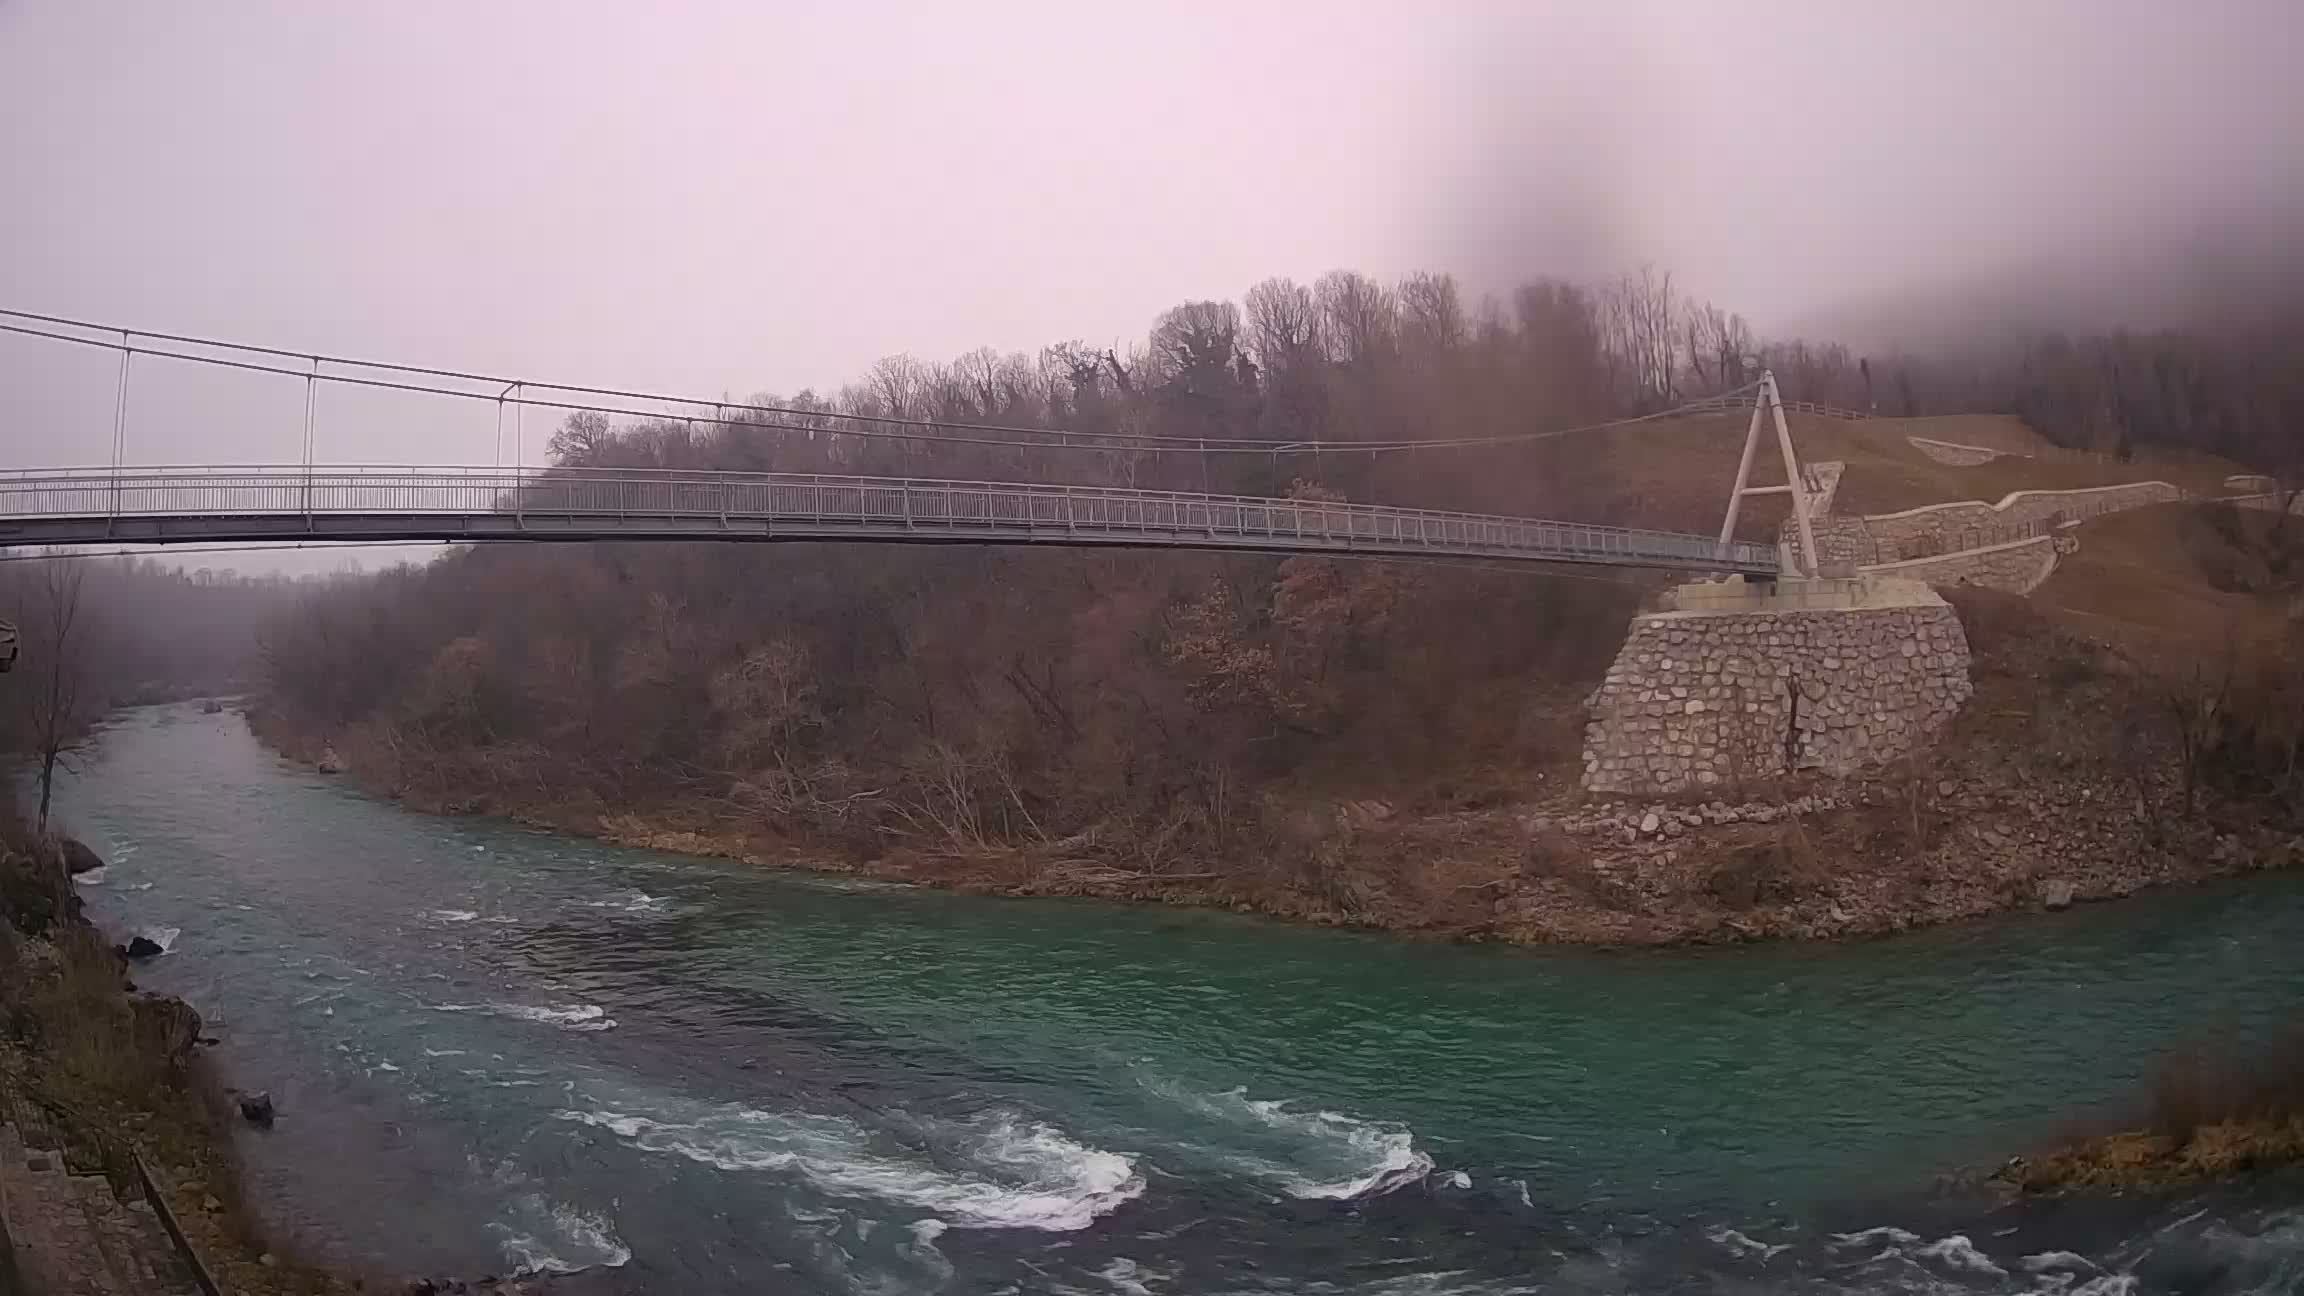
[
  {"x": 1697, "y": 700},
  {"x": 1941, "y": 527},
  {"x": 2017, "y": 567},
  {"x": 1841, "y": 539}
]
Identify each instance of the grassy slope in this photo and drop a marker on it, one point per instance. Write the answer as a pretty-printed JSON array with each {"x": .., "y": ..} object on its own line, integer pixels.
[{"x": 2162, "y": 581}]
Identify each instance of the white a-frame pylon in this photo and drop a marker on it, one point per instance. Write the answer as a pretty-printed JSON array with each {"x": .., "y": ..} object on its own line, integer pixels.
[{"x": 1768, "y": 402}]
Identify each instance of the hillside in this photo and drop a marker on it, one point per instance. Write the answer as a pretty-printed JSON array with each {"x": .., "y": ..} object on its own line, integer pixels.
[{"x": 2172, "y": 581}]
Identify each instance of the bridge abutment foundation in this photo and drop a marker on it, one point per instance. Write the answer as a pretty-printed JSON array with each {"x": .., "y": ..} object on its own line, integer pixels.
[{"x": 1737, "y": 681}]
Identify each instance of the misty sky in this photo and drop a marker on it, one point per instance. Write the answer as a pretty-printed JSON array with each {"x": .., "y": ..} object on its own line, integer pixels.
[{"x": 754, "y": 197}]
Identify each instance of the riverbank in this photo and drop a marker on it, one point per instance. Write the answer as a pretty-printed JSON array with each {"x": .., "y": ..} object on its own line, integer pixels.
[
  {"x": 101, "y": 1067},
  {"x": 2062, "y": 781},
  {"x": 2213, "y": 1112}
]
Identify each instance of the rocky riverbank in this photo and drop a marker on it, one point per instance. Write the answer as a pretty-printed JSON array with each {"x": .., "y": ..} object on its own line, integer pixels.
[{"x": 101, "y": 1066}]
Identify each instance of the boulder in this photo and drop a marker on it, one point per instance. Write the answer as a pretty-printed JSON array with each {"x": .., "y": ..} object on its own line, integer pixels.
[
  {"x": 257, "y": 1109},
  {"x": 330, "y": 762},
  {"x": 211, "y": 707},
  {"x": 142, "y": 947},
  {"x": 1649, "y": 823},
  {"x": 78, "y": 858},
  {"x": 2056, "y": 893}
]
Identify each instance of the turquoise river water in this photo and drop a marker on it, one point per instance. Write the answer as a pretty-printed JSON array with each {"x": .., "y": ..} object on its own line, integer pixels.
[{"x": 494, "y": 1048}]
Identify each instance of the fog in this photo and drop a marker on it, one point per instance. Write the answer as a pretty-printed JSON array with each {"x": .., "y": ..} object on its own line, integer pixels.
[{"x": 730, "y": 198}]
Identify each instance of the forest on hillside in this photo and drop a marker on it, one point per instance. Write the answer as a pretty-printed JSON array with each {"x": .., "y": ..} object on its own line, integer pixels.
[{"x": 1163, "y": 713}]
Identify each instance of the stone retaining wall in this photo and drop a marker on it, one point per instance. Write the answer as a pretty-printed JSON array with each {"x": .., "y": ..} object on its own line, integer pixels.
[
  {"x": 2017, "y": 567},
  {"x": 1940, "y": 527},
  {"x": 1840, "y": 539},
  {"x": 1701, "y": 699}
]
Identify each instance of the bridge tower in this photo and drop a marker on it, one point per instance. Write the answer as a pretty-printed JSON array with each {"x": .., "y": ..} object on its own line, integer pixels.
[
  {"x": 1767, "y": 402},
  {"x": 1732, "y": 680}
]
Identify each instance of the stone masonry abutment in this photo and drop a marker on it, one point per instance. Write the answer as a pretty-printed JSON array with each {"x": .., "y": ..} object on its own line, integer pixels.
[{"x": 1736, "y": 682}]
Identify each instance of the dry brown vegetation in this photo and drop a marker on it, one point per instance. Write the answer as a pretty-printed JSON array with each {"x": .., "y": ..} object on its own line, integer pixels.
[
  {"x": 2214, "y": 1110},
  {"x": 97, "y": 1063}
]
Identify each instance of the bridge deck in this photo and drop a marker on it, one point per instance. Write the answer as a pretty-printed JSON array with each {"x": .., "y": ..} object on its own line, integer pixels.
[{"x": 162, "y": 505}]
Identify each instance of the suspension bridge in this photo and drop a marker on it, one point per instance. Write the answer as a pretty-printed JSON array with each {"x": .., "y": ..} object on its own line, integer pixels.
[{"x": 127, "y": 503}]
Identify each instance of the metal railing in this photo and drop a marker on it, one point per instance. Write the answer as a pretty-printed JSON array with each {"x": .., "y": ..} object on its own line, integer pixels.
[{"x": 160, "y": 504}]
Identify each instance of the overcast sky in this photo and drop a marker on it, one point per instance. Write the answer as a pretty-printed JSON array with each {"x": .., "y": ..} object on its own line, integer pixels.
[{"x": 750, "y": 197}]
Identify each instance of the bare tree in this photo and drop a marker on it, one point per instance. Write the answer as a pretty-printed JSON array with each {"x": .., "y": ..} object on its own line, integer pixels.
[
  {"x": 1283, "y": 326},
  {"x": 1360, "y": 318},
  {"x": 1639, "y": 314},
  {"x": 61, "y": 703},
  {"x": 1432, "y": 314},
  {"x": 1197, "y": 342},
  {"x": 582, "y": 439}
]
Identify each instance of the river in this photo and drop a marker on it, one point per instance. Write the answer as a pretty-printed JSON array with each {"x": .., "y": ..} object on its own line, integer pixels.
[{"x": 493, "y": 1047}]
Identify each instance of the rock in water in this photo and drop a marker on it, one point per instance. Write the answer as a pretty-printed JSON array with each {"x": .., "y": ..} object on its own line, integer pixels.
[
  {"x": 211, "y": 707},
  {"x": 78, "y": 858},
  {"x": 257, "y": 1109},
  {"x": 2056, "y": 893},
  {"x": 142, "y": 947}
]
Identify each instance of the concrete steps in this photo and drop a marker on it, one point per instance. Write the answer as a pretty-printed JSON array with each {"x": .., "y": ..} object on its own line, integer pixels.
[{"x": 71, "y": 1235}]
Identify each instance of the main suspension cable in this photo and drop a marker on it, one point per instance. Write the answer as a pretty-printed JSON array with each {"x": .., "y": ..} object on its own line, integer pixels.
[{"x": 1065, "y": 439}]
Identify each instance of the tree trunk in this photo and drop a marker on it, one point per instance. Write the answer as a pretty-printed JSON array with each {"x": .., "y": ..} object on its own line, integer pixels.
[{"x": 47, "y": 786}]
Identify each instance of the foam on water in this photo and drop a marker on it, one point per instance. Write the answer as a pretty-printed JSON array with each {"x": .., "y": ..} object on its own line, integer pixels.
[
  {"x": 2058, "y": 1260},
  {"x": 1885, "y": 1234},
  {"x": 1742, "y": 1245},
  {"x": 164, "y": 937},
  {"x": 578, "y": 1017},
  {"x": 93, "y": 877},
  {"x": 631, "y": 902},
  {"x": 452, "y": 915},
  {"x": 1957, "y": 1252},
  {"x": 1011, "y": 1172},
  {"x": 1129, "y": 1278},
  {"x": 545, "y": 1237},
  {"x": 1332, "y": 1157}
]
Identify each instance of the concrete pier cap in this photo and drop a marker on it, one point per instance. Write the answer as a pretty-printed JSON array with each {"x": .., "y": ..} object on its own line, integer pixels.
[{"x": 1737, "y": 594}]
